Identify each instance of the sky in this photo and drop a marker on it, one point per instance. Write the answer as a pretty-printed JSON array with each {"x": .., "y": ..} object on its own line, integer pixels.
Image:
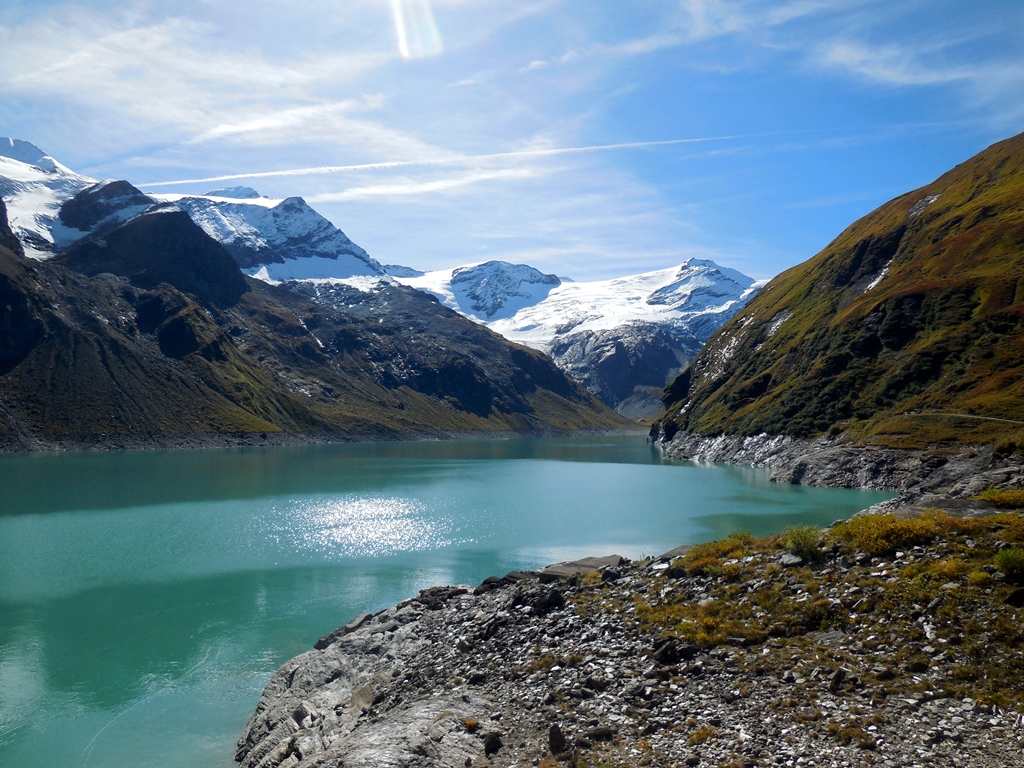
[{"x": 589, "y": 138}]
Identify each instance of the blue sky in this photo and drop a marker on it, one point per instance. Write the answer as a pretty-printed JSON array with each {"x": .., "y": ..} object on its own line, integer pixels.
[{"x": 748, "y": 132}]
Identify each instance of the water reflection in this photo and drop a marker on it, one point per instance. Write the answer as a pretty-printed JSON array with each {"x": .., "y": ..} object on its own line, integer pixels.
[{"x": 368, "y": 527}]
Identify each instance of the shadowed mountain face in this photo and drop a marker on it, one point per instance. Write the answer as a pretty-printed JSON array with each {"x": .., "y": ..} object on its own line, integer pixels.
[
  {"x": 101, "y": 203},
  {"x": 150, "y": 333},
  {"x": 162, "y": 247},
  {"x": 627, "y": 367},
  {"x": 907, "y": 329}
]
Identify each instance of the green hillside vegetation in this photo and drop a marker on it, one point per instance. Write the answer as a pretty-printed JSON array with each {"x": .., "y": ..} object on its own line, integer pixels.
[
  {"x": 152, "y": 331},
  {"x": 906, "y": 330}
]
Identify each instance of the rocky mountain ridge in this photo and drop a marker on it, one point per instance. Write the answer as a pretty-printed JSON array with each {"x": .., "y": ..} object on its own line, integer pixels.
[{"x": 878, "y": 642}]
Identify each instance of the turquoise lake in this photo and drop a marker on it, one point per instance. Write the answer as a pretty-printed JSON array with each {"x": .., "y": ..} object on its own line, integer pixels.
[{"x": 146, "y": 597}]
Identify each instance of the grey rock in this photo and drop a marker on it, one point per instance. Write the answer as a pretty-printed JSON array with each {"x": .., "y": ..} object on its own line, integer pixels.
[
  {"x": 339, "y": 633},
  {"x": 573, "y": 678},
  {"x": 789, "y": 560},
  {"x": 835, "y": 462}
]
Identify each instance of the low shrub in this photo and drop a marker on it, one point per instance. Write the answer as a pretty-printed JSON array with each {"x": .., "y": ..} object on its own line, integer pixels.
[
  {"x": 1011, "y": 562},
  {"x": 1010, "y": 498},
  {"x": 979, "y": 579},
  {"x": 884, "y": 534},
  {"x": 802, "y": 541},
  {"x": 705, "y": 558}
]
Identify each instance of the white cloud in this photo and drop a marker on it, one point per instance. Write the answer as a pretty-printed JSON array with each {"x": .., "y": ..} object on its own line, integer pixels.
[
  {"x": 888, "y": 64},
  {"x": 996, "y": 85},
  {"x": 405, "y": 187},
  {"x": 287, "y": 120},
  {"x": 172, "y": 72},
  {"x": 534, "y": 66}
]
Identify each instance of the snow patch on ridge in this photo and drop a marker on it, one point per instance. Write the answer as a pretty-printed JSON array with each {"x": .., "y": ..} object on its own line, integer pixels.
[
  {"x": 880, "y": 277},
  {"x": 920, "y": 205},
  {"x": 777, "y": 322}
]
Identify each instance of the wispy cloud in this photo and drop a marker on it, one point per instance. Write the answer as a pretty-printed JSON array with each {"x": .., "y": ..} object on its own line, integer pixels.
[
  {"x": 287, "y": 120},
  {"x": 889, "y": 64},
  {"x": 452, "y": 159},
  {"x": 534, "y": 66},
  {"x": 168, "y": 72},
  {"x": 995, "y": 84},
  {"x": 408, "y": 187}
]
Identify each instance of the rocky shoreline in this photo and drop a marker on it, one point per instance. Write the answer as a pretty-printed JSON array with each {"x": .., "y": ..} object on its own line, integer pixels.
[
  {"x": 606, "y": 662},
  {"x": 923, "y": 479}
]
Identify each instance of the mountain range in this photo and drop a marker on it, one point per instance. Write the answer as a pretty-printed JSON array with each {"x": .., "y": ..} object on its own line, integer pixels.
[
  {"x": 144, "y": 330},
  {"x": 623, "y": 339},
  {"x": 907, "y": 330}
]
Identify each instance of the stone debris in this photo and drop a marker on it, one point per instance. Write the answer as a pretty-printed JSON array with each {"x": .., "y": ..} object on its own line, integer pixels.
[
  {"x": 529, "y": 671},
  {"x": 923, "y": 479}
]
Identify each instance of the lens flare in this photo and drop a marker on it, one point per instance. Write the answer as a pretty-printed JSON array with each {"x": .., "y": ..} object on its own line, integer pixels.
[{"x": 415, "y": 28}]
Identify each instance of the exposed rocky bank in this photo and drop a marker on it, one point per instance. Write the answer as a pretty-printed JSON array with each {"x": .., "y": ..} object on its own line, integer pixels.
[
  {"x": 924, "y": 479},
  {"x": 729, "y": 654}
]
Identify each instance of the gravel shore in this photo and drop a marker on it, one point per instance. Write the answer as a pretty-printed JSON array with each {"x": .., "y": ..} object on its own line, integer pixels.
[{"x": 758, "y": 659}]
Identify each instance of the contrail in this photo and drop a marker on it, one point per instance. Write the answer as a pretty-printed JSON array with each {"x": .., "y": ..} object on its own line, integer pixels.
[{"x": 455, "y": 160}]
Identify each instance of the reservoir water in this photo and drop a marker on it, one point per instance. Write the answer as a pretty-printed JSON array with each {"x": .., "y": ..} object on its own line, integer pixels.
[{"x": 147, "y": 597}]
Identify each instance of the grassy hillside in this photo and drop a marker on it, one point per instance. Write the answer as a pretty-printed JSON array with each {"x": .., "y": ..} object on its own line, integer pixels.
[
  {"x": 152, "y": 331},
  {"x": 908, "y": 329}
]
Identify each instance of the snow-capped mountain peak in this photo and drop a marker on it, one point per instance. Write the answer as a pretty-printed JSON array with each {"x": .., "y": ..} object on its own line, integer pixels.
[
  {"x": 50, "y": 207},
  {"x": 274, "y": 239},
  {"x": 29, "y": 154},
  {"x": 235, "y": 193},
  {"x": 34, "y": 186},
  {"x": 623, "y": 338},
  {"x": 487, "y": 291}
]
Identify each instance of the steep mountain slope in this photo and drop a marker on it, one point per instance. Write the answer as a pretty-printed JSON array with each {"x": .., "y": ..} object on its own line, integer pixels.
[
  {"x": 624, "y": 339},
  {"x": 908, "y": 329},
  {"x": 152, "y": 333},
  {"x": 34, "y": 186}
]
